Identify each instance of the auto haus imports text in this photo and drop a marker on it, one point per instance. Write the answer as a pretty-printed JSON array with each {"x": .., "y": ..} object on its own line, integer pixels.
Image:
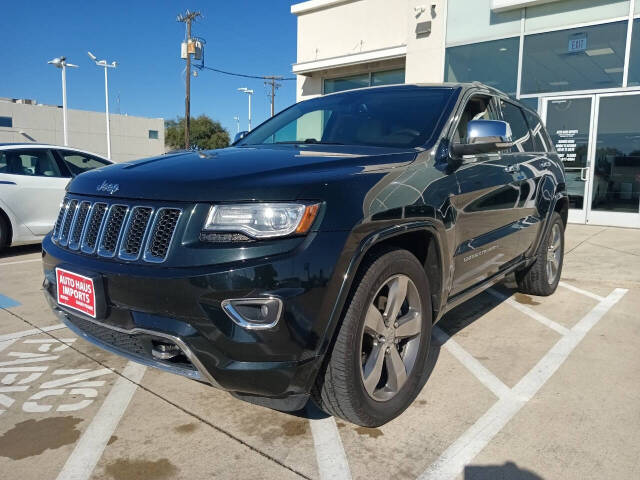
[{"x": 77, "y": 289}]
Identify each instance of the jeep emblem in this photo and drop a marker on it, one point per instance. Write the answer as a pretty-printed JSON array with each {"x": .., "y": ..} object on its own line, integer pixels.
[{"x": 108, "y": 187}]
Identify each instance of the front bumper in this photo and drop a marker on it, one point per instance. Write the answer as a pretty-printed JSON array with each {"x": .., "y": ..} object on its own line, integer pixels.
[{"x": 145, "y": 304}]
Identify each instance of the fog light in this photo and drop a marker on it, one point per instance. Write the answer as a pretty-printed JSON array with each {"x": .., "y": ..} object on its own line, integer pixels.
[{"x": 253, "y": 313}]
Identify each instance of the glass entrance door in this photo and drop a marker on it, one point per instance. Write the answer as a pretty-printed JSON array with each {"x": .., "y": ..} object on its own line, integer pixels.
[
  {"x": 615, "y": 180},
  {"x": 598, "y": 139},
  {"x": 570, "y": 126}
]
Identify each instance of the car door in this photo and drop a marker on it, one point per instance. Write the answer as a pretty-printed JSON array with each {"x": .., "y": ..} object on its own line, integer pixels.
[
  {"x": 35, "y": 187},
  {"x": 489, "y": 191},
  {"x": 530, "y": 164}
]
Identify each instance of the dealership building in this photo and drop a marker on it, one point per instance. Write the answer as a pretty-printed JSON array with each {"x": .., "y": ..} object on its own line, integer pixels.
[
  {"x": 577, "y": 62},
  {"x": 26, "y": 121}
]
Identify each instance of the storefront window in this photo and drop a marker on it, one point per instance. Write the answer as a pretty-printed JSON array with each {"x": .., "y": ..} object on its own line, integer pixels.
[
  {"x": 616, "y": 182},
  {"x": 634, "y": 59},
  {"x": 386, "y": 77},
  {"x": 575, "y": 59},
  {"x": 332, "y": 85},
  {"x": 468, "y": 63},
  {"x": 532, "y": 103}
]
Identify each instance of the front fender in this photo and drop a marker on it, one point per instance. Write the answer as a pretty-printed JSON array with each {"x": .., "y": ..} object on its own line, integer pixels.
[{"x": 358, "y": 252}]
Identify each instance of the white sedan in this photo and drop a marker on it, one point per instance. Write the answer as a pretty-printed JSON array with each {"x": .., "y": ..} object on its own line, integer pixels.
[{"x": 32, "y": 184}]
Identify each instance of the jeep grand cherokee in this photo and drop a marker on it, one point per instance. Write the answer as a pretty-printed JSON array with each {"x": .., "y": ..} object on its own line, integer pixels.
[{"x": 312, "y": 257}]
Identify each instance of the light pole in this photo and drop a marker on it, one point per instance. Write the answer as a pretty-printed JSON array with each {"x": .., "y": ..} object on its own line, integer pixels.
[
  {"x": 237, "y": 119},
  {"x": 249, "y": 93},
  {"x": 103, "y": 63},
  {"x": 61, "y": 62}
]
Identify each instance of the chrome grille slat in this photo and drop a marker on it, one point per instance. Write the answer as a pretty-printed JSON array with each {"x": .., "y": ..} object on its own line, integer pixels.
[
  {"x": 58, "y": 224},
  {"x": 161, "y": 236},
  {"x": 78, "y": 225},
  {"x": 135, "y": 232},
  {"x": 68, "y": 220},
  {"x": 112, "y": 230},
  {"x": 94, "y": 225},
  {"x": 116, "y": 230}
]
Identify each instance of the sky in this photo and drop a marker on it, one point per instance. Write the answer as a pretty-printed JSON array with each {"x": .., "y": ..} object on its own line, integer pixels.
[{"x": 255, "y": 37}]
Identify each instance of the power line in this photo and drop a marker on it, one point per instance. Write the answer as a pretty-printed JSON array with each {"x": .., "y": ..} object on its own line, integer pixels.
[{"x": 258, "y": 77}]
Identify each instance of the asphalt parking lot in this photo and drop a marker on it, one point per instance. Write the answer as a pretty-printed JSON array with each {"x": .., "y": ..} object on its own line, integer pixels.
[{"x": 521, "y": 388}]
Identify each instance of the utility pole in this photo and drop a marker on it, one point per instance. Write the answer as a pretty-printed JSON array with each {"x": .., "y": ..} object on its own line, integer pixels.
[
  {"x": 188, "y": 17},
  {"x": 272, "y": 81}
]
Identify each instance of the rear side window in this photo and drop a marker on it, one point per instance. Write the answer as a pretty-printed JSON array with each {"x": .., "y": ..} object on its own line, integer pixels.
[
  {"x": 541, "y": 142},
  {"x": 513, "y": 115},
  {"x": 35, "y": 163},
  {"x": 78, "y": 163}
]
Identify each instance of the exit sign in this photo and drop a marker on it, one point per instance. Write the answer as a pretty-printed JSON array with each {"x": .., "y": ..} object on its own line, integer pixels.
[{"x": 578, "y": 43}]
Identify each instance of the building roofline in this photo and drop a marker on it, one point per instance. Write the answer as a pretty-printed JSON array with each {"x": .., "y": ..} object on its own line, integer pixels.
[
  {"x": 312, "y": 5},
  {"x": 350, "y": 59}
]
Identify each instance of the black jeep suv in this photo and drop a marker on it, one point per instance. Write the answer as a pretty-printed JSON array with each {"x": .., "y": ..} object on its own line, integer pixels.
[{"x": 312, "y": 258}]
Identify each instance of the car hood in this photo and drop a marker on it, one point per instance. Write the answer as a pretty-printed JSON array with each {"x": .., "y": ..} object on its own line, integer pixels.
[{"x": 278, "y": 172}]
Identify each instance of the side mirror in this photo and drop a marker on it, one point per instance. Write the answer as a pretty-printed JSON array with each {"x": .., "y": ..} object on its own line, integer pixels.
[
  {"x": 240, "y": 135},
  {"x": 484, "y": 136}
]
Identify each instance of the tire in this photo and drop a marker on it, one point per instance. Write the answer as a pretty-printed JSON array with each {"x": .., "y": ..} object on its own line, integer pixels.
[
  {"x": 540, "y": 278},
  {"x": 4, "y": 233},
  {"x": 340, "y": 385}
]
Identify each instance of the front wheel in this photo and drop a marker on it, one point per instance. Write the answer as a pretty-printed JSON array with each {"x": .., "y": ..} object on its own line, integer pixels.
[
  {"x": 374, "y": 370},
  {"x": 542, "y": 277}
]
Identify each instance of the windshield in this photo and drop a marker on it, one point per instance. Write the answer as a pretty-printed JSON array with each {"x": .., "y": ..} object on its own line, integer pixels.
[{"x": 403, "y": 117}]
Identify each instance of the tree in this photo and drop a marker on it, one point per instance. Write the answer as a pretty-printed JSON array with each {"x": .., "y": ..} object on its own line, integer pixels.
[{"x": 205, "y": 134}]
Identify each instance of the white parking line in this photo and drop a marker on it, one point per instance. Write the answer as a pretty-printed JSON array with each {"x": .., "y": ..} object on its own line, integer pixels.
[
  {"x": 580, "y": 291},
  {"x": 330, "y": 454},
  {"x": 21, "y": 261},
  {"x": 478, "y": 370},
  {"x": 32, "y": 331},
  {"x": 475, "y": 439},
  {"x": 529, "y": 312},
  {"x": 91, "y": 444}
]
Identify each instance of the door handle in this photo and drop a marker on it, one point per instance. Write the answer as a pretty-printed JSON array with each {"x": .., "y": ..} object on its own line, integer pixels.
[
  {"x": 512, "y": 168},
  {"x": 584, "y": 172}
]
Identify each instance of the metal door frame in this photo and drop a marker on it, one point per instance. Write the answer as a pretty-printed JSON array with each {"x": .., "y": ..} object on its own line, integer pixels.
[{"x": 579, "y": 215}]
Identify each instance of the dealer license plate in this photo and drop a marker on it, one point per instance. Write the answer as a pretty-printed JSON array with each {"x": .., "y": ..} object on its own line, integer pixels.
[{"x": 76, "y": 291}]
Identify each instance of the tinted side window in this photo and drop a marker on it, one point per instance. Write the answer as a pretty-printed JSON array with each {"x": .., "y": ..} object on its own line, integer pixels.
[
  {"x": 37, "y": 163},
  {"x": 541, "y": 142},
  {"x": 78, "y": 163},
  {"x": 477, "y": 108},
  {"x": 519, "y": 127}
]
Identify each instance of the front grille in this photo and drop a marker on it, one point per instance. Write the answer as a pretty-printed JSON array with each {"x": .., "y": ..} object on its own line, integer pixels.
[
  {"x": 93, "y": 228},
  {"x": 67, "y": 221},
  {"x": 162, "y": 233},
  {"x": 111, "y": 234},
  {"x": 136, "y": 229},
  {"x": 78, "y": 225},
  {"x": 116, "y": 230}
]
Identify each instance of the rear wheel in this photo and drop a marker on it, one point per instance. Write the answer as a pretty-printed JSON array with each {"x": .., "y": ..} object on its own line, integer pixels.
[
  {"x": 373, "y": 372},
  {"x": 542, "y": 277}
]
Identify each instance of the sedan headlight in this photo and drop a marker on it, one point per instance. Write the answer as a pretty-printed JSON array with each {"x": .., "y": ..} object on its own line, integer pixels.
[{"x": 262, "y": 220}]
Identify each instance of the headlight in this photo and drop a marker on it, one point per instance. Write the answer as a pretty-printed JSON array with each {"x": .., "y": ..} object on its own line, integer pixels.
[{"x": 262, "y": 220}]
